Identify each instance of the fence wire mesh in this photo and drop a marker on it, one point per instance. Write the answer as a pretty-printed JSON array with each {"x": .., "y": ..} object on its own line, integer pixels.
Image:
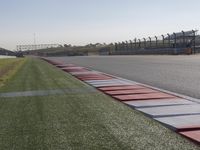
[{"x": 182, "y": 41}]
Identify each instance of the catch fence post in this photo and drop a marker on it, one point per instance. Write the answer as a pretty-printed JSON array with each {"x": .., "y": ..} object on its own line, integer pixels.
[
  {"x": 139, "y": 43},
  {"x": 120, "y": 46},
  {"x": 175, "y": 40},
  {"x": 163, "y": 38},
  {"x": 184, "y": 44},
  {"x": 144, "y": 42},
  {"x": 156, "y": 41},
  {"x": 131, "y": 44},
  {"x": 150, "y": 41},
  {"x": 127, "y": 46},
  {"x": 194, "y": 43},
  {"x": 169, "y": 43},
  {"x": 116, "y": 47},
  {"x": 135, "y": 40}
]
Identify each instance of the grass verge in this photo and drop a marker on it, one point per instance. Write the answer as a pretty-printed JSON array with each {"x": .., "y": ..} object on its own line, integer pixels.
[
  {"x": 74, "y": 121},
  {"x": 38, "y": 75},
  {"x": 8, "y": 67}
]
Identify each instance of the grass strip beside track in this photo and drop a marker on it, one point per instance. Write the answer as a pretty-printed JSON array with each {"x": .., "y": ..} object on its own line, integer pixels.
[
  {"x": 38, "y": 75},
  {"x": 74, "y": 121},
  {"x": 8, "y": 67}
]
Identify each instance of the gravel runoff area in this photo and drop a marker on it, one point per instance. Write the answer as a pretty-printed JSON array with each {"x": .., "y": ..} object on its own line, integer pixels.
[
  {"x": 180, "y": 74},
  {"x": 74, "y": 121}
]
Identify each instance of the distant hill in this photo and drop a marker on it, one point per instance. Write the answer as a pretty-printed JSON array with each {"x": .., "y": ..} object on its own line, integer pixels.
[
  {"x": 6, "y": 52},
  {"x": 68, "y": 50}
]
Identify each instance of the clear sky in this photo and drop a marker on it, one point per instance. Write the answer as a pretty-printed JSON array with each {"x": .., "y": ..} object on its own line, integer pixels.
[{"x": 80, "y": 22}]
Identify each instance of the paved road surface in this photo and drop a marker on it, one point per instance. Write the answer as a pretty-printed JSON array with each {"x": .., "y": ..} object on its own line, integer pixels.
[{"x": 179, "y": 74}]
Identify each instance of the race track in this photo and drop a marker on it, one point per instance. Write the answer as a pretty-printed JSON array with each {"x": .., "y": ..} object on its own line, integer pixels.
[{"x": 180, "y": 74}]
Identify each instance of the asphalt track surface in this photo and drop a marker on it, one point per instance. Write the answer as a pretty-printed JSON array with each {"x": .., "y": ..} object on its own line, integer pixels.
[{"x": 180, "y": 74}]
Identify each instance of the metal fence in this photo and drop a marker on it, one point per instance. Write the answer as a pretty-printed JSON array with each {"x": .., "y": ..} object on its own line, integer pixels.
[{"x": 185, "y": 42}]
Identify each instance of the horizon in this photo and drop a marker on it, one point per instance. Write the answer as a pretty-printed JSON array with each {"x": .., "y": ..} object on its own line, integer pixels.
[{"x": 80, "y": 23}]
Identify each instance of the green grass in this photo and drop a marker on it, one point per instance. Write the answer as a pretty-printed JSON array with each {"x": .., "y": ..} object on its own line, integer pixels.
[
  {"x": 38, "y": 75},
  {"x": 8, "y": 67},
  {"x": 74, "y": 121}
]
